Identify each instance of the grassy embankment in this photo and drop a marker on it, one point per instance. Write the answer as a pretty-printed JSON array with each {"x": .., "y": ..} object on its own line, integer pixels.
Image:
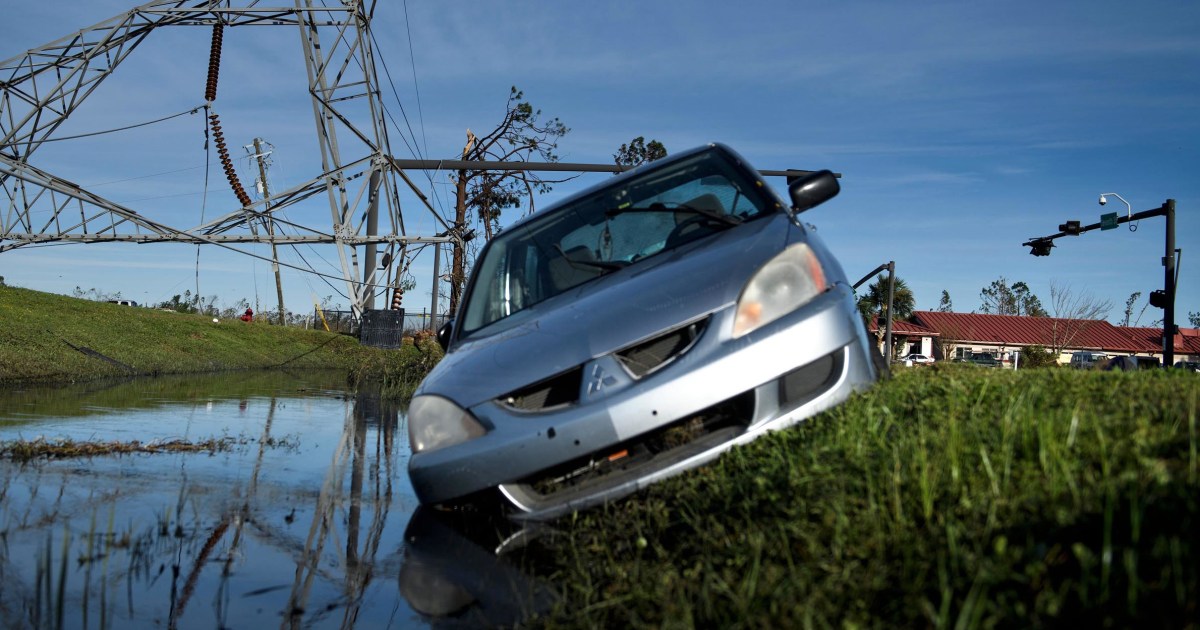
[
  {"x": 47, "y": 338},
  {"x": 944, "y": 497}
]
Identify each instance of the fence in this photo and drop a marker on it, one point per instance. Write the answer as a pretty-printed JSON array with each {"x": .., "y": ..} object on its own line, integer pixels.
[{"x": 345, "y": 322}]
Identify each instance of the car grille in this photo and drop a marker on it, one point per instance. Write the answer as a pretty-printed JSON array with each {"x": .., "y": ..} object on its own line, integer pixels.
[
  {"x": 640, "y": 360},
  {"x": 722, "y": 420},
  {"x": 648, "y": 356},
  {"x": 556, "y": 391}
]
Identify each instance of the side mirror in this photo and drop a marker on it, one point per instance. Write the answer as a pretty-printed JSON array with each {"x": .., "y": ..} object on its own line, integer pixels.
[
  {"x": 443, "y": 334},
  {"x": 813, "y": 190}
]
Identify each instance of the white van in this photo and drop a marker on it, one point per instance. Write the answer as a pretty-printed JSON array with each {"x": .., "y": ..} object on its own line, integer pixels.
[{"x": 1087, "y": 360}]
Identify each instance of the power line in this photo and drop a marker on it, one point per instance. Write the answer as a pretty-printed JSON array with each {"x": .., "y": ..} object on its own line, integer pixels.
[
  {"x": 404, "y": 114},
  {"x": 311, "y": 268},
  {"x": 100, "y": 133},
  {"x": 412, "y": 58},
  {"x": 130, "y": 179}
]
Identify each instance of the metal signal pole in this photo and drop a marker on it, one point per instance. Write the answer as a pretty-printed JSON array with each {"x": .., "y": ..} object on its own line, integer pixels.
[{"x": 1162, "y": 298}]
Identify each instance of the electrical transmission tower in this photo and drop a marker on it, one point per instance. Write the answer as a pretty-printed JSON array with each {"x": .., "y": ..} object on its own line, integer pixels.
[{"x": 42, "y": 87}]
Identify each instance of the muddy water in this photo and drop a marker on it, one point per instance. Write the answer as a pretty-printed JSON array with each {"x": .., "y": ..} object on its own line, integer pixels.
[{"x": 306, "y": 520}]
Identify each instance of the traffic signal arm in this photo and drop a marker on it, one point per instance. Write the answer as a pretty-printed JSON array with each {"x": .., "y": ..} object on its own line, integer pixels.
[
  {"x": 1163, "y": 298},
  {"x": 1137, "y": 216}
]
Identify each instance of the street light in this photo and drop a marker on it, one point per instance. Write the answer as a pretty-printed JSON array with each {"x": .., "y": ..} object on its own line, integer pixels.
[
  {"x": 890, "y": 266},
  {"x": 1128, "y": 208}
]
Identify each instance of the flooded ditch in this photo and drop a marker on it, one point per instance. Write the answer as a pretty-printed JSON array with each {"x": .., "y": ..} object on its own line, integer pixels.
[{"x": 301, "y": 517}]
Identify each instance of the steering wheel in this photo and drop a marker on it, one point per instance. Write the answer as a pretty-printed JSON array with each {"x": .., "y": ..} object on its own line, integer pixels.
[{"x": 681, "y": 230}]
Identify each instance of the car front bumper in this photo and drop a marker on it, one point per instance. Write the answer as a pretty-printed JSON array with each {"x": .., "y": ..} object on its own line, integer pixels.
[{"x": 787, "y": 370}]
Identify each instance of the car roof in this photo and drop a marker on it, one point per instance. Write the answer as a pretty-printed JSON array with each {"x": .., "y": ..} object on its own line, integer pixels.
[{"x": 665, "y": 162}]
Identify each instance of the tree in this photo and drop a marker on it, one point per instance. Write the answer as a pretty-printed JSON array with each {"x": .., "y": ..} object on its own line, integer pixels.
[
  {"x": 519, "y": 137},
  {"x": 638, "y": 152},
  {"x": 1133, "y": 297},
  {"x": 94, "y": 294},
  {"x": 1194, "y": 319},
  {"x": 873, "y": 304},
  {"x": 1028, "y": 304},
  {"x": 1073, "y": 314},
  {"x": 944, "y": 304},
  {"x": 999, "y": 298}
]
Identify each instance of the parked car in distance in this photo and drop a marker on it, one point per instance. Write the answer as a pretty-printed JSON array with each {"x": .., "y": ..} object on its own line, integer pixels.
[
  {"x": 1130, "y": 363},
  {"x": 916, "y": 359},
  {"x": 1085, "y": 360},
  {"x": 633, "y": 331},
  {"x": 1190, "y": 366},
  {"x": 982, "y": 359}
]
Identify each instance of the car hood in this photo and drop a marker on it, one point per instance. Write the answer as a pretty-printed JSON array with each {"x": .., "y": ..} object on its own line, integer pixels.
[{"x": 609, "y": 313}]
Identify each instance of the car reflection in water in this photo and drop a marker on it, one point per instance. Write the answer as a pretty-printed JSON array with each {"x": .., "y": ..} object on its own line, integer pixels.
[
  {"x": 300, "y": 522},
  {"x": 449, "y": 574}
]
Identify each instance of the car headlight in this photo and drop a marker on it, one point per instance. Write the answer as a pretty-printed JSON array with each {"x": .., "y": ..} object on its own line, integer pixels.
[
  {"x": 435, "y": 422},
  {"x": 779, "y": 287}
]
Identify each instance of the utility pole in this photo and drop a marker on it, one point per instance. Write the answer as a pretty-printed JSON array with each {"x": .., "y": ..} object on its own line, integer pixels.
[
  {"x": 269, "y": 222},
  {"x": 887, "y": 339},
  {"x": 458, "y": 272},
  {"x": 437, "y": 280}
]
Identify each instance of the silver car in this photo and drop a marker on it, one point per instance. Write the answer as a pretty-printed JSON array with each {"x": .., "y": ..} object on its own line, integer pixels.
[{"x": 633, "y": 331}]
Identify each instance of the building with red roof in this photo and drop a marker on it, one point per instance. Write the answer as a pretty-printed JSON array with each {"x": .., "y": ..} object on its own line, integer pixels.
[
  {"x": 956, "y": 335},
  {"x": 916, "y": 338}
]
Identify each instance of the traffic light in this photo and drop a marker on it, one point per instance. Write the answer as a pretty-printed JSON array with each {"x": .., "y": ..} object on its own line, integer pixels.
[
  {"x": 1158, "y": 299},
  {"x": 1070, "y": 228},
  {"x": 1040, "y": 247}
]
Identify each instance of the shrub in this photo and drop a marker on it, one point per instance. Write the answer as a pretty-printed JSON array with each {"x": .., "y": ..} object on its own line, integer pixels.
[{"x": 1038, "y": 356}]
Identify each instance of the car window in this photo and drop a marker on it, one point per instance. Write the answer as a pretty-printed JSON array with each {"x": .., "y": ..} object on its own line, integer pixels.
[
  {"x": 609, "y": 229},
  {"x": 622, "y": 237}
]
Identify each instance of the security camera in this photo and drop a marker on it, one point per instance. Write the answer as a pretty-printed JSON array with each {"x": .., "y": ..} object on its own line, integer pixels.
[{"x": 1103, "y": 200}]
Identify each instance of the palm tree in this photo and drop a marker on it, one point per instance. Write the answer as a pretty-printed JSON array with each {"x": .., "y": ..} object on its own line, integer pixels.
[{"x": 873, "y": 304}]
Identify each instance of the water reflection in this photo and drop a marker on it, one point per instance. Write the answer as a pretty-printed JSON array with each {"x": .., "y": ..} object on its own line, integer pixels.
[
  {"x": 452, "y": 574},
  {"x": 308, "y": 522}
]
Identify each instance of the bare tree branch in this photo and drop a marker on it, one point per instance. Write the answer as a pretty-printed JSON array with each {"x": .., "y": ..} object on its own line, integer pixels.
[
  {"x": 519, "y": 137},
  {"x": 1073, "y": 314}
]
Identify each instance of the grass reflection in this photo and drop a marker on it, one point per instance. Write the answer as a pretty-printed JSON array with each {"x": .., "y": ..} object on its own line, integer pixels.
[{"x": 20, "y": 404}]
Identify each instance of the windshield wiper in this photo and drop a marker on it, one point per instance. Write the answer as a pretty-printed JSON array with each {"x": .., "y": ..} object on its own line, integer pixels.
[
  {"x": 594, "y": 264},
  {"x": 727, "y": 219}
]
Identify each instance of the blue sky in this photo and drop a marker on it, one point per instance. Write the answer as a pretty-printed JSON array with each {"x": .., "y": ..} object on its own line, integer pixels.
[{"x": 961, "y": 128}]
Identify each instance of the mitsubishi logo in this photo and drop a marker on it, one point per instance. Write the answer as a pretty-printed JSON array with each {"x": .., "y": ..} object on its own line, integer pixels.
[{"x": 598, "y": 380}]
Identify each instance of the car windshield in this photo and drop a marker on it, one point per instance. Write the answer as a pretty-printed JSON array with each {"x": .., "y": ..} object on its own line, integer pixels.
[{"x": 609, "y": 229}]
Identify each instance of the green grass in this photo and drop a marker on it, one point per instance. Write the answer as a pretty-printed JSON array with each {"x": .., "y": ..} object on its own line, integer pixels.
[
  {"x": 944, "y": 497},
  {"x": 41, "y": 337}
]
